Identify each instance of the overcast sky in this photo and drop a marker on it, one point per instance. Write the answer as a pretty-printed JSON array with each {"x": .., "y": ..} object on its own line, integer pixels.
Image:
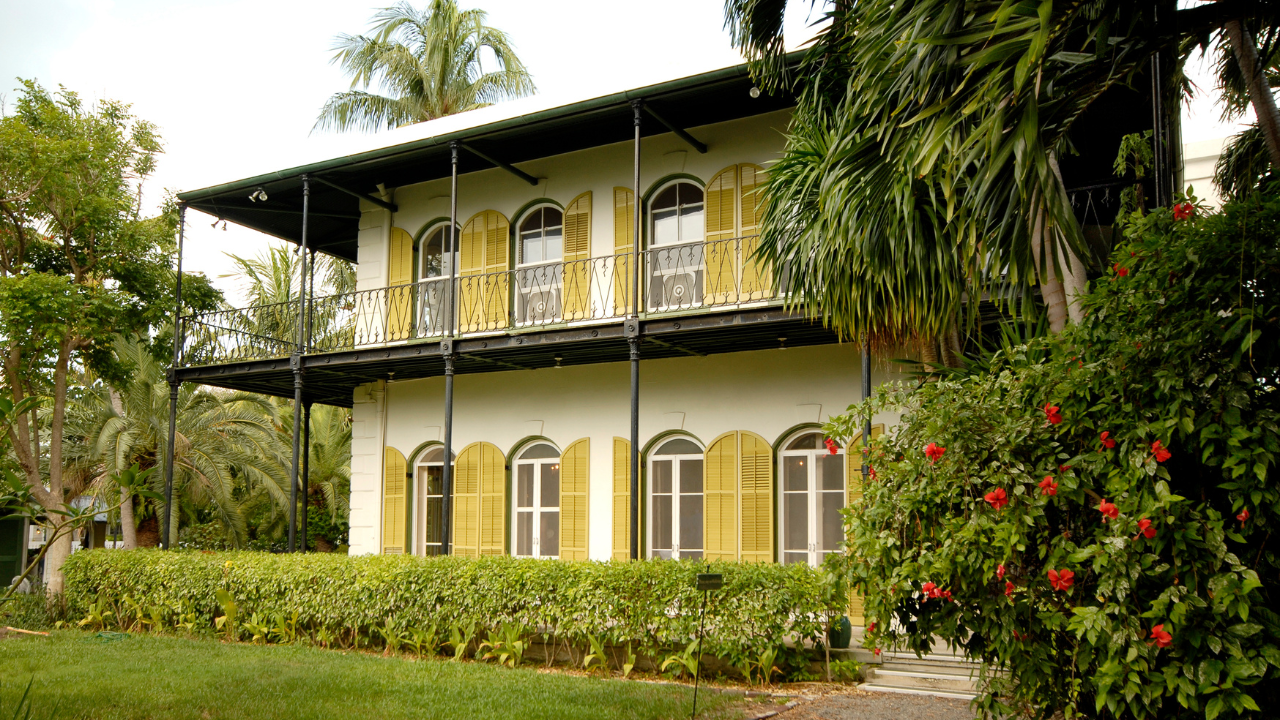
[{"x": 235, "y": 85}]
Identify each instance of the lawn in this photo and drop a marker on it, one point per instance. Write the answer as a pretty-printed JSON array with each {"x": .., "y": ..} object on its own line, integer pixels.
[{"x": 119, "y": 677}]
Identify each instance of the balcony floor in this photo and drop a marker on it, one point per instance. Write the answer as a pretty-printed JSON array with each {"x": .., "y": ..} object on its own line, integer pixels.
[{"x": 331, "y": 378}]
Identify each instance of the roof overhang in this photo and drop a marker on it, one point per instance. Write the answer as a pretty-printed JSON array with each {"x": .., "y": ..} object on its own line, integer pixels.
[{"x": 334, "y": 215}]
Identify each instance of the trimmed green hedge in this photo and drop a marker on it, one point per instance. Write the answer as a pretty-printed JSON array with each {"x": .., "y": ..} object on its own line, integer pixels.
[{"x": 653, "y": 605}]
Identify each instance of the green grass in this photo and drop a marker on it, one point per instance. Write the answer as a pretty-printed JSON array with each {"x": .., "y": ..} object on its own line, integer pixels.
[{"x": 83, "y": 675}]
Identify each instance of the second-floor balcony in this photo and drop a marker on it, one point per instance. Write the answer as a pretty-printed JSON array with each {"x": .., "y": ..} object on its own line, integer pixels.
[{"x": 677, "y": 279}]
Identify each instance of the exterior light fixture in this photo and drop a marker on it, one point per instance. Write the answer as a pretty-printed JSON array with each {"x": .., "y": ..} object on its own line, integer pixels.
[
  {"x": 558, "y": 359},
  {"x": 754, "y": 92},
  {"x": 258, "y": 194},
  {"x": 782, "y": 343}
]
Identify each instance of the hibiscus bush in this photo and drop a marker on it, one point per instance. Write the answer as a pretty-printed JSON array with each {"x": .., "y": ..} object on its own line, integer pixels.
[{"x": 1090, "y": 515}]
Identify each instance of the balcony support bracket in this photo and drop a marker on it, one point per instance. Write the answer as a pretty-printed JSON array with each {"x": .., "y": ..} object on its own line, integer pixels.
[
  {"x": 375, "y": 200},
  {"x": 505, "y": 166},
  {"x": 697, "y": 144}
]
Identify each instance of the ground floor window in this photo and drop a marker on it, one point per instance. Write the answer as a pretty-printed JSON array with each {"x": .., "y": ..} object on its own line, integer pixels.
[
  {"x": 813, "y": 493},
  {"x": 537, "y": 502},
  {"x": 675, "y": 500},
  {"x": 428, "y": 499}
]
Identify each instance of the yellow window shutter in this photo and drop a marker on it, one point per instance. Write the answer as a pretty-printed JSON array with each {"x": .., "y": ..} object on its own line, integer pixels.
[
  {"x": 466, "y": 502},
  {"x": 470, "y": 265},
  {"x": 493, "y": 500},
  {"x": 575, "y": 464},
  {"x": 721, "y": 252},
  {"x": 720, "y": 498},
  {"x": 400, "y": 272},
  {"x": 395, "y": 526},
  {"x": 483, "y": 300},
  {"x": 577, "y": 258},
  {"x": 497, "y": 241},
  {"x": 756, "y": 472},
  {"x": 624, "y": 229},
  {"x": 853, "y": 460},
  {"x": 621, "y": 499},
  {"x": 757, "y": 284}
]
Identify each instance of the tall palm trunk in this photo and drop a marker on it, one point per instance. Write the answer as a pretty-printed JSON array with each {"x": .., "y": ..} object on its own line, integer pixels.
[
  {"x": 1051, "y": 290},
  {"x": 127, "y": 527},
  {"x": 1264, "y": 103}
]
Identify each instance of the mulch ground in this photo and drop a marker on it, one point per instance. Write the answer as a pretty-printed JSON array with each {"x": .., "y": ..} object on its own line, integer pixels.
[{"x": 857, "y": 705}]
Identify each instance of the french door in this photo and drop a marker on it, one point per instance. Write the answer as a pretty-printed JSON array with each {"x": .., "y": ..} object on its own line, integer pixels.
[
  {"x": 813, "y": 493},
  {"x": 676, "y": 501},
  {"x": 537, "y": 503}
]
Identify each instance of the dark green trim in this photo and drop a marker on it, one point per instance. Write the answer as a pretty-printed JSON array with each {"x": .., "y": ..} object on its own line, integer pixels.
[
  {"x": 777, "y": 444},
  {"x": 529, "y": 440},
  {"x": 417, "y": 238},
  {"x": 529, "y": 206},
  {"x": 422, "y": 447},
  {"x": 653, "y": 187}
]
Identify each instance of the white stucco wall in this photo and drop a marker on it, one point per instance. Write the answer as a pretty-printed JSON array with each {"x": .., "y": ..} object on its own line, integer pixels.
[
  {"x": 1199, "y": 159},
  {"x": 766, "y": 392}
]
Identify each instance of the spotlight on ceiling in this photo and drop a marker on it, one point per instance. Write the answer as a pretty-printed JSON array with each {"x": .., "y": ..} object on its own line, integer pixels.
[
  {"x": 754, "y": 92},
  {"x": 258, "y": 195}
]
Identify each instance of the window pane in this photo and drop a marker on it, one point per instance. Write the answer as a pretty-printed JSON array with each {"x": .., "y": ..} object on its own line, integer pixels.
[
  {"x": 666, "y": 230},
  {"x": 690, "y": 554},
  {"x": 690, "y": 523},
  {"x": 666, "y": 198},
  {"x": 435, "y": 522},
  {"x": 435, "y": 480},
  {"x": 795, "y": 521},
  {"x": 549, "y": 534},
  {"x": 661, "y": 476},
  {"x": 550, "y": 495},
  {"x": 524, "y": 533},
  {"x": 662, "y": 522},
  {"x": 552, "y": 217},
  {"x": 795, "y": 472},
  {"x": 679, "y": 446},
  {"x": 532, "y": 223},
  {"x": 691, "y": 223},
  {"x": 432, "y": 251},
  {"x": 691, "y": 475},
  {"x": 831, "y": 472},
  {"x": 795, "y": 557},
  {"x": 540, "y": 450},
  {"x": 553, "y": 245},
  {"x": 524, "y": 486},
  {"x": 690, "y": 193},
  {"x": 832, "y": 532},
  {"x": 810, "y": 441},
  {"x": 532, "y": 251}
]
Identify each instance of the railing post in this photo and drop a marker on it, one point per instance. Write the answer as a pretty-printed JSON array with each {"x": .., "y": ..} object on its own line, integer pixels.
[
  {"x": 446, "y": 349},
  {"x": 296, "y": 362},
  {"x": 632, "y": 329},
  {"x": 173, "y": 382}
]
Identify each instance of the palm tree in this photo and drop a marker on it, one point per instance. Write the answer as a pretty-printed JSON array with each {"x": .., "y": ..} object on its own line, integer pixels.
[{"x": 429, "y": 64}]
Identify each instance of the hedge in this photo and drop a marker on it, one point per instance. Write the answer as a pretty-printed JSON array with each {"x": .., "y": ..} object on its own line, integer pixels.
[{"x": 652, "y": 605}]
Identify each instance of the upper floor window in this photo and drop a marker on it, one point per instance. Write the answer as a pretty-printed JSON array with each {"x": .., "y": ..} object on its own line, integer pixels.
[
  {"x": 542, "y": 236},
  {"x": 537, "y": 502},
  {"x": 813, "y": 493},
  {"x": 675, "y": 500},
  {"x": 677, "y": 213},
  {"x": 431, "y": 254}
]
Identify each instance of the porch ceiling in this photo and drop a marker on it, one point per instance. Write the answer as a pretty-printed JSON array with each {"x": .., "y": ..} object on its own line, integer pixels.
[
  {"x": 331, "y": 378},
  {"x": 334, "y": 219}
]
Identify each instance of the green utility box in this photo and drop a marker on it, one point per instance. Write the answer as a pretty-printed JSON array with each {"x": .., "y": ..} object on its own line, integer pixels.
[{"x": 13, "y": 548}]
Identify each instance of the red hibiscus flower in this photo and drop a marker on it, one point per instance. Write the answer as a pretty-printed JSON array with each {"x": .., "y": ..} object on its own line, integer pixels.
[
  {"x": 1145, "y": 529},
  {"x": 1244, "y": 515},
  {"x": 1160, "y": 451},
  {"x": 1061, "y": 579},
  {"x": 1159, "y": 637},
  {"x": 1000, "y": 571},
  {"x": 946, "y": 595},
  {"x": 1008, "y": 587},
  {"x": 1109, "y": 510},
  {"x": 1182, "y": 211},
  {"x": 1048, "y": 486},
  {"x": 871, "y": 627},
  {"x": 871, "y": 472},
  {"x": 998, "y": 498},
  {"x": 928, "y": 589},
  {"x": 1107, "y": 442},
  {"x": 1120, "y": 270},
  {"x": 1063, "y": 468},
  {"x": 933, "y": 451},
  {"x": 1051, "y": 414},
  {"x": 832, "y": 447},
  {"x": 876, "y": 651}
]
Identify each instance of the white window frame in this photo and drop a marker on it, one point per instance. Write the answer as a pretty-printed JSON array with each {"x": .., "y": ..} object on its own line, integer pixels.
[
  {"x": 521, "y": 262},
  {"x": 675, "y": 497},
  {"x": 420, "y": 498},
  {"x": 814, "y": 553},
  {"x": 653, "y": 230},
  {"x": 536, "y": 510}
]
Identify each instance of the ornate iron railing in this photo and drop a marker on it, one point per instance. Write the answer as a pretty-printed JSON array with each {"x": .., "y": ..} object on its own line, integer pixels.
[{"x": 677, "y": 278}]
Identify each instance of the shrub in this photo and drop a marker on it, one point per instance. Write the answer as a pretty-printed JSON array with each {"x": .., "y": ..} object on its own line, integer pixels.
[
  {"x": 367, "y": 599},
  {"x": 1098, "y": 522},
  {"x": 32, "y": 611}
]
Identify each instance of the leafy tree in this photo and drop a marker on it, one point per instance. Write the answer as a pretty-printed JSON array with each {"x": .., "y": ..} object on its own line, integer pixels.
[
  {"x": 920, "y": 166},
  {"x": 430, "y": 63},
  {"x": 1091, "y": 512}
]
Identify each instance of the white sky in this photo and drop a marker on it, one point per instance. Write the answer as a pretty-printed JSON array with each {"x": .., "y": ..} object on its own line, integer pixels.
[{"x": 235, "y": 85}]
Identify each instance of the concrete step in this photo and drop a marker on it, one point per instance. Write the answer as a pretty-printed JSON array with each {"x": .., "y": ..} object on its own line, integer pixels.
[
  {"x": 885, "y": 677},
  {"x": 872, "y": 687},
  {"x": 958, "y": 669}
]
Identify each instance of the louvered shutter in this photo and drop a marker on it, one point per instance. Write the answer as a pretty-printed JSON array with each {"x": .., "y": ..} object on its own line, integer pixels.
[
  {"x": 757, "y": 283},
  {"x": 471, "y": 275},
  {"x": 756, "y": 482},
  {"x": 497, "y": 285},
  {"x": 721, "y": 251},
  {"x": 624, "y": 228},
  {"x": 395, "y": 525},
  {"x": 577, "y": 258},
  {"x": 493, "y": 500},
  {"x": 853, "y": 487},
  {"x": 621, "y": 499},
  {"x": 466, "y": 502},
  {"x": 720, "y": 498},
  {"x": 575, "y": 471},
  {"x": 400, "y": 299}
]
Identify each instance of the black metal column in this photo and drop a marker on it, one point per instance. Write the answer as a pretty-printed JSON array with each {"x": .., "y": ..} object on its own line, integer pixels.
[
  {"x": 446, "y": 349},
  {"x": 173, "y": 383},
  {"x": 866, "y": 424},
  {"x": 306, "y": 474},
  {"x": 296, "y": 362},
  {"x": 633, "y": 331}
]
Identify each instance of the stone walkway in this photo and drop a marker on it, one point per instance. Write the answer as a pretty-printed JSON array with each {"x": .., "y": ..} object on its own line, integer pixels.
[{"x": 855, "y": 705}]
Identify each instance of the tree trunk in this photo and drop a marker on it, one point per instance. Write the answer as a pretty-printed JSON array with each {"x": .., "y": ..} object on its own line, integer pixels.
[
  {"x": 149, "y": 532},
  {"x": 58, "y": 553},
  {"x": 128, "y": 529},
  {"x": 1075, "y": 280},
  {"x": 1051, "y": 290},
  {"x": 929, "y": 352},
  {"x": 949, "y": 355},
  {"x": 1264, "y": 103}
]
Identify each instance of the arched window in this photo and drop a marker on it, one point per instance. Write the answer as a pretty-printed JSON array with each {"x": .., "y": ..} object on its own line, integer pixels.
[
  {"x": 676, "y": 260},
  {"x": 536, "y": 502},
  {"x": 428, "y": 501},
  {"x": 540, "y": 271},
  {"x": 432, "y": 274},
  {"x": 813, "y": 493},
  {"x": 675, "y": 500}
]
